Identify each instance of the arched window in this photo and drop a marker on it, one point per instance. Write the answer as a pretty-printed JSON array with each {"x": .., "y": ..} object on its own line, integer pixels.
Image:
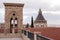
[
  {"x": 11, "y": 25},
  {"x": 11, "y": 22},
  {"x": 16, "y": 22}
]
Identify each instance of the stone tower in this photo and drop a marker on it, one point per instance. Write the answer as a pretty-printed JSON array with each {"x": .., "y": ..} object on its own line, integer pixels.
[
  {"x": 13, "y": 17},
  {"x": 40, "y": 20}
]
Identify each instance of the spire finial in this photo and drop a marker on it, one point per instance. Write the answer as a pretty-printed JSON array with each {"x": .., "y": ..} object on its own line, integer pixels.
[{"x": 40, "y": 11}]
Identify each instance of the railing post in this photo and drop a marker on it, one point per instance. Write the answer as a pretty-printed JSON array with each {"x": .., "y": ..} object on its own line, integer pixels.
[
  {"x": 35, "y": 35},
  {"x": 35, "y": 38}
]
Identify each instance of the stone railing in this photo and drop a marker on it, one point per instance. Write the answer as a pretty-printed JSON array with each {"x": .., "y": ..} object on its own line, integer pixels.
[
  {"x": 33, "y": 36},
  {"x": 9, "y": 35}
]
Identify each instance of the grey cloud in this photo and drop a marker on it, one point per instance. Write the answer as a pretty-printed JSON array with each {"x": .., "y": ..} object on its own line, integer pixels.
[
  {"x": 57, "y": 7},
  {"x": 1, "y": 18},
  {"x": 43, "y": 4},
  {"x": 36, "y": 4},
  {"x": 32, "y": 7},
  {"x": 52, "y": 17}
]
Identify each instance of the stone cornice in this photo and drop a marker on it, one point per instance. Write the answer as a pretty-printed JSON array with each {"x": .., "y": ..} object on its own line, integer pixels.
[{"x": 14, "y": 4}]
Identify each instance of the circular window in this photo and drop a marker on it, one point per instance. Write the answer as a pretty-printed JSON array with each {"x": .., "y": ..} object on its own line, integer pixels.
[{"x": 13, "y": 14}]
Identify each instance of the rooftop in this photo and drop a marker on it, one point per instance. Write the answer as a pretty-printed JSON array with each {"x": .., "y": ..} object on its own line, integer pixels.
[{"x": 50, "y": 32}]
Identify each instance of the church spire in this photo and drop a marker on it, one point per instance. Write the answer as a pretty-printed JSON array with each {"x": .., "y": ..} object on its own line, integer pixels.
[
  {"x": 40, "y": 16},
  {"x": 40, "y": 20}
]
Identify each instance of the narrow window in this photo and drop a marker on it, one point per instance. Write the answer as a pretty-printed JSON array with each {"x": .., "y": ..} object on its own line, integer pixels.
[
  {"x": 11, "y": 25},
  {"x": 15, "y": 21}
]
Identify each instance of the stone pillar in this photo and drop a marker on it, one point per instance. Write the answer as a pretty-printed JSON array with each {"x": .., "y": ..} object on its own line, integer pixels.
[
  {"x": 13, "y": 31},
  {"x": 27, "y": 33},
  {"x": 35, "y": 36}
]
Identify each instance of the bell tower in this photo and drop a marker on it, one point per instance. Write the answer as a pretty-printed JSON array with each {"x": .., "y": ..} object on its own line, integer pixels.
[{"x": 13, "y": 17}]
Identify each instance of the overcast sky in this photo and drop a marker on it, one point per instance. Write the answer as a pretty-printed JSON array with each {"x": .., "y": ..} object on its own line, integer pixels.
[{"x": 50, "y": 10}]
